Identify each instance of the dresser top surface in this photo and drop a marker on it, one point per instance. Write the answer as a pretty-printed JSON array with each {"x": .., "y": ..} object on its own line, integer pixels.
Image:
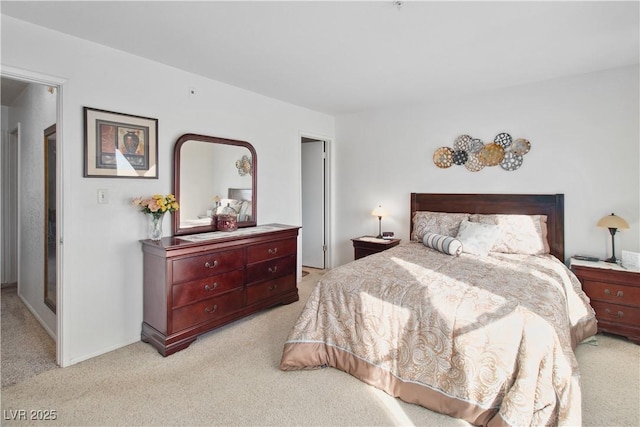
[{"x": 175, "y": 242}]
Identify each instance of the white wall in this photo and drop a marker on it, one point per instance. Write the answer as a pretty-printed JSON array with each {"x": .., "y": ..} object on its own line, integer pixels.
[
  {"x": 102, "y": 284},
  {"x": 35, "y": 110},
  {"x": 585, "y": 144}
]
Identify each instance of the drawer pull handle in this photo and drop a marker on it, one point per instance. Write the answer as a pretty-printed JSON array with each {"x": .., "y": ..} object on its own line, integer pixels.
[
  {"x": 209, "y": 265},
  {"x": 273, "y": 269},
  {"x": 212, "y": 309},
  {"x": 273, "y": 287},
  {"x": 208, "y": 287},
  {"x": 273, "y": 251},
  {"x": 618, "y": 294},
  {"x": 618, "y": 314}
]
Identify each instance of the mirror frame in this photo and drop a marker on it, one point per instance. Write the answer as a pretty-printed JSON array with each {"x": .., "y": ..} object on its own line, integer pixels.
[
  {"x": 50, "y": 233},
  {"x": 177, "y": 231}
]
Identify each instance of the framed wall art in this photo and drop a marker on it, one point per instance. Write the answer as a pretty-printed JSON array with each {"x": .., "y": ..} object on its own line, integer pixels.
[{"x": 120, "y": 145}]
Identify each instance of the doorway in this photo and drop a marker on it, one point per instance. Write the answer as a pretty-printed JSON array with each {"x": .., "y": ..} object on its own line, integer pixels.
[
  {"x": 315, "y": 203},
  {"x": 31, "y": 104}
]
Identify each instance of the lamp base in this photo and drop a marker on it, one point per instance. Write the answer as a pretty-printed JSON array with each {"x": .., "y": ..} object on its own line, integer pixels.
[{"x": 613, "y": 260}]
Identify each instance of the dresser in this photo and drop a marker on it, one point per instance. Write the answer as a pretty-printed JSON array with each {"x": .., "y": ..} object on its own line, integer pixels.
[
  {"x": 614, "y": 292},
  {"x": 196, "y": 283}
]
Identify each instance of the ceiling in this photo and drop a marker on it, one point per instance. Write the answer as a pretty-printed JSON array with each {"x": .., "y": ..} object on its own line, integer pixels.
[{"x": 342, "y": 57}]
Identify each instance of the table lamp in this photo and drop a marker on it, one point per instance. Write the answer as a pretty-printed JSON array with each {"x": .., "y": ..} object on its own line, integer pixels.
[
  {"x": 379, "y": 212},
  {"x": 613, "y": 223}
]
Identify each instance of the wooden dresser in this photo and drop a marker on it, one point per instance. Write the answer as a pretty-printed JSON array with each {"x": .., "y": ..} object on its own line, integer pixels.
[
  {"x": 615, "y": 296},
  {"x": 193, "y": 284}
]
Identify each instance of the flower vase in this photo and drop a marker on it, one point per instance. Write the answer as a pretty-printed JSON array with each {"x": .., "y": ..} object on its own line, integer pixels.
[{"x": 155, "y": 225}]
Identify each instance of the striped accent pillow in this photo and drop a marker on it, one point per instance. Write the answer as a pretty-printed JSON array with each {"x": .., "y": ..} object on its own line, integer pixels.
[{"x": 445, "y": 244}]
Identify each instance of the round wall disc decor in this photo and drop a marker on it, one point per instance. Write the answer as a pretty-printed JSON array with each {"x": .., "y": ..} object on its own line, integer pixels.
[
  {"x": 520, "y": 146},
  {"x": 462, "y": 143},
  {"x": 475, "y": 155},
  {"x": 491, "y": 154},
  {"x": 460, "y": 157},
  {"x": 475, "y": 145},
  {"x": 511, "y": 161},
  {"x": 503, "y": 139},
  {"x": 443, "y": 157},
  {"x": 473, "y": 163}
]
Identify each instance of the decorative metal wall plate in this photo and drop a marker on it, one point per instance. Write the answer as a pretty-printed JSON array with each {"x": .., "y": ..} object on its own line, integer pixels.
[
  {"x": 520, "y": 146},
  {"x": 491, "y": 155},
  {"x": 473, "y": 163},
  {"x": 503, "y": 139},
  {"x": 475, "y": 145},
  {"x": 462, "y": 143},
  {"x": 443, "y": 157},
  {"x": 475, "y": 154},
  {"x": 511, "y": 161},
  {"x": 460, "y": 157}
]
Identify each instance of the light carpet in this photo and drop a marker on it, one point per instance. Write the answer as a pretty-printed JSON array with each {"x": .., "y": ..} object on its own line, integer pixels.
[
  {"x": 27, "y": 349},
  {"x": 230, "y": 376}
]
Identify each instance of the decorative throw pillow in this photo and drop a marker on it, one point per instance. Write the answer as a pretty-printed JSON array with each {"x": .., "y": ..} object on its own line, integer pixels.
[
  {"x": 445, "y": 244},
  {"x": 444, "y": 223},
  {"x": 477, "y": 238},
  {"x": 519, "y": 234}
]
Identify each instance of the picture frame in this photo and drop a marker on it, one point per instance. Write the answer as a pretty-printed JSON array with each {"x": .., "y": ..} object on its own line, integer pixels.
[{"x": 119, "y": 145}]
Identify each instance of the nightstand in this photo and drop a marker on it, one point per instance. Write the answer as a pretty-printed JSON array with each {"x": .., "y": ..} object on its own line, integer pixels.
[
  {"x": 367, "y": 245},
  {"x": 614, "y": 292}
]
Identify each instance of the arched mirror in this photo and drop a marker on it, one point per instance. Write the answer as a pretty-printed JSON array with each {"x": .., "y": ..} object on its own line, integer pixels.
[{"x": 210, "y": 173}]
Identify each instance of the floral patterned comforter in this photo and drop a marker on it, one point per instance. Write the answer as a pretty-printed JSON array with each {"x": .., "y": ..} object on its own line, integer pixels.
[{"x": 486, "y": 339}]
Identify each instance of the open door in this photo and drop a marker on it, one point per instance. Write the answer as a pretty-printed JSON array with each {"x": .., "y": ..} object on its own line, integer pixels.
[{"x": 314, "y": 197}]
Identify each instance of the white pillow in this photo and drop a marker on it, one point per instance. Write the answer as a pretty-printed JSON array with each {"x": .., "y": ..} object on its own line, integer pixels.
[
  {"x": 477, "y": 238},
  {"x": 519, "y": 234}
]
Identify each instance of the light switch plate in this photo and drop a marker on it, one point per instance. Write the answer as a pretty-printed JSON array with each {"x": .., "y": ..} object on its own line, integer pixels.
[{"x": 103, "y": 196}]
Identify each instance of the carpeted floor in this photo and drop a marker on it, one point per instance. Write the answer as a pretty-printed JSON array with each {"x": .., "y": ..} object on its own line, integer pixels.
[
  {"x": 230, "y": 377},
  {"x": 27, "y": 349}
]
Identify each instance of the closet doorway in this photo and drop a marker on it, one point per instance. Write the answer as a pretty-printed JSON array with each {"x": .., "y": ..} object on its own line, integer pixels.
[
  {"x": 31, "y": 238},
  {"x": 315, "y": 203}
]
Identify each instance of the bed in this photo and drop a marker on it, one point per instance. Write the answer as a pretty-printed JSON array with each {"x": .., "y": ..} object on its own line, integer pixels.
[{"x": 486, "y": 337}]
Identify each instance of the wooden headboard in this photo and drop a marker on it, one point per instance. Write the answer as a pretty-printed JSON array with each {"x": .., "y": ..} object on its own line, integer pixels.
[{"x": 551, "y": 205}]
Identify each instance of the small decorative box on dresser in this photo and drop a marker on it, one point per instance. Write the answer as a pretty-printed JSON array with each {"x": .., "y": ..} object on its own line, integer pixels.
[
  {"x": 195, "y": 283},
  {"x": 615, "y": 296},
  {"x": 366, "y": 245}
]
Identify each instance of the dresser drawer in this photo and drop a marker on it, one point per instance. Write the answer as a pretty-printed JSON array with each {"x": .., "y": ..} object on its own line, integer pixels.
[
  {"x": 188, "y": 292},
  {"x": 611, "y": 292},
  {"x": 615, "y": 313},
  {"x": 207, "y": 310},
  {"x": 261, "y": 291},
  {"x": 209, "y": 264},
  {"x": 271, "y": 250},
  {"x": 270, "y": 269}
]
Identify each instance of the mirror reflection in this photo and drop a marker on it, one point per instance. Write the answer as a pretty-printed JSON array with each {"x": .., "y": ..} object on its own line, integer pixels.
[{"x": 211, "y": 174}]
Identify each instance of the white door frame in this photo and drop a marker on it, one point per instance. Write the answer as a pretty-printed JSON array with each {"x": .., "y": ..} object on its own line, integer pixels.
[
  {"x": 327, "y": 192},
  {"x": 57, "y": 83}
]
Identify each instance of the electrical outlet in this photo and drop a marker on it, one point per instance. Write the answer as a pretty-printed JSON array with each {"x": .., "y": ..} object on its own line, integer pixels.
[{"x": 103, "y": 196}]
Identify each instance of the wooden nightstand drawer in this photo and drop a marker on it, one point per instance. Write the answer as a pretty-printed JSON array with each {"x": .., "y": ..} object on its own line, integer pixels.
[
  {"x": 612, "y": 292},
  {"x": 620, "y": 314}
]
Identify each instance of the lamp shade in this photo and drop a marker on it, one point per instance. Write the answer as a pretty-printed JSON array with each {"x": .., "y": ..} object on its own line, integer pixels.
[
  {"x": 379, "y": 212},
  {"x": 613, "y": 221}
]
